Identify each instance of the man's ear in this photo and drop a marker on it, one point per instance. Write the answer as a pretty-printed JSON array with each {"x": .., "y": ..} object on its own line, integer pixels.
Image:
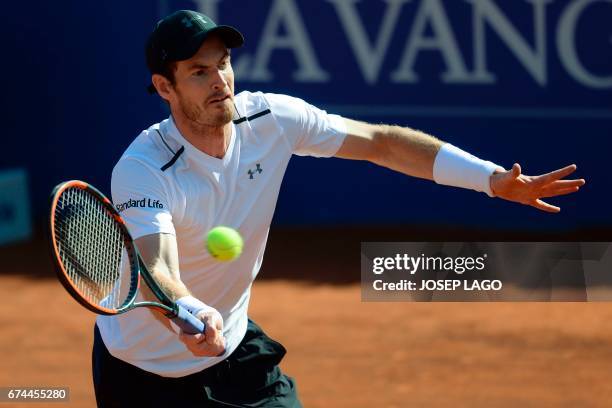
[{"x": 162, "y": 85}]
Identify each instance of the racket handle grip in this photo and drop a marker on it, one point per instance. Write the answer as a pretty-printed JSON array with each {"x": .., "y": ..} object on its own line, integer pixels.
[{"x": 188, "y": 322}]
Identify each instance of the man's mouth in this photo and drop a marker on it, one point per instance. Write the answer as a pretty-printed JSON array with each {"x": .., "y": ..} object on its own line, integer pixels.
[{"x": 220, "y": 98}]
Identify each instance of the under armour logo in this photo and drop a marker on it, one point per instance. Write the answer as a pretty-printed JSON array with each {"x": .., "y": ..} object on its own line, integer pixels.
[
  {"x": 200, "y": 19},
  {"x": 189, "y": 22},
  {"x": 258, "y": 169},
  {"x": 186, "y": 22}
]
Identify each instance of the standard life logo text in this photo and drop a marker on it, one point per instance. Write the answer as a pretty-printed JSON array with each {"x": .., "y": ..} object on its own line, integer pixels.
[{"x": 143, "y": 203}]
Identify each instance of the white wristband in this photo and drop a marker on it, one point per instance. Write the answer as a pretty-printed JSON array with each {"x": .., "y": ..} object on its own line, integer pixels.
[
  {"x": 455, "y": 167},
  {"x": 193, "y": 305}
]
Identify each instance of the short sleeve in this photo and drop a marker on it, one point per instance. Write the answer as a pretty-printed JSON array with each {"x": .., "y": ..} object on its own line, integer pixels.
[
  {"x": 141, "y": 198},
  {"x": 309, "y": 130}
]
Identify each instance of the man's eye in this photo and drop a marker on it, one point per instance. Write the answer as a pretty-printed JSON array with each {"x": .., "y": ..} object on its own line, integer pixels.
[{"x": 199, "y": 72}]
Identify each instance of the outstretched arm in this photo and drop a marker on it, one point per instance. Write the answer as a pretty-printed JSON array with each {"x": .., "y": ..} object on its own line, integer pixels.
[
  {"x": 418, "y": 154},
  {"x": 402, "y": 149}
]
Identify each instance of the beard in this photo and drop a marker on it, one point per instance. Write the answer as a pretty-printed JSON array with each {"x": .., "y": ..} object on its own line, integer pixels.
[{"x": 199, "y": 118}]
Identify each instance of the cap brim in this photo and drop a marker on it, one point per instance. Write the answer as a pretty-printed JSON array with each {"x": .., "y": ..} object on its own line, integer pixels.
[{"x": 230, "y": 36}]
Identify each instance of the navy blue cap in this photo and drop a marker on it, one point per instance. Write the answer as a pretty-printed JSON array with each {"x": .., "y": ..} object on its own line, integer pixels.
[{"x": 179, "y": 36}]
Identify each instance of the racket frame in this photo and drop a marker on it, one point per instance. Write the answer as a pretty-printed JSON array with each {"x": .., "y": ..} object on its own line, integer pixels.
[{"x": 137, "y": 266}]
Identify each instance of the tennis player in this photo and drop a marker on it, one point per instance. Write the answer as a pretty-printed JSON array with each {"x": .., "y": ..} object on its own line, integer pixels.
[{"x": 219, "y": 159}]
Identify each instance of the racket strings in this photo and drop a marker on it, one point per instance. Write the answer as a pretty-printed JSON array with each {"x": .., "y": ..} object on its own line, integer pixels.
[{"x": 92, "y": 249}]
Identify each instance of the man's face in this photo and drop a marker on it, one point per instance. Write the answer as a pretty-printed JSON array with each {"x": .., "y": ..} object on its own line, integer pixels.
[{"x": 204, "y": 85}]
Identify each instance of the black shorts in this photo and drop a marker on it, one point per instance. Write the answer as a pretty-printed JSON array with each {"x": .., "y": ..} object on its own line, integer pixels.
[{"x": 250, "y": 377}]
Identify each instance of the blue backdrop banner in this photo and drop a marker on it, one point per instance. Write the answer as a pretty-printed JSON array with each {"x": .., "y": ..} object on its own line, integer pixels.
[{"x": 509, "y": 81}]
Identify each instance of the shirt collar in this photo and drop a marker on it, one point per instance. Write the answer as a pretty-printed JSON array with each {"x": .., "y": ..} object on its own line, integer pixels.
[{"x": 170, "y": 131}]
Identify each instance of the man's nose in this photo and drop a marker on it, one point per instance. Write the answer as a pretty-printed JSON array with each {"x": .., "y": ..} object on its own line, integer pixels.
[{"x": 219, "y": 81}]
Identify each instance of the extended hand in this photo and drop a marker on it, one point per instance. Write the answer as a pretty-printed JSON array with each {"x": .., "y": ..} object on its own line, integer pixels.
[{"x": 513, "y": 186}]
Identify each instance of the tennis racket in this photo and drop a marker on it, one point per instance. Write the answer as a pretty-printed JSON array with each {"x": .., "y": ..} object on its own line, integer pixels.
[{"x": 97, "y": 260}]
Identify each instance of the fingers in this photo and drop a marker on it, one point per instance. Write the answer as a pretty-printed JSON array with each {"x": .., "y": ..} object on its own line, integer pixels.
[
  {"x": 214, "y": 337},
  {"x": 541, "y": 205},
  {"x": 191, "y": 340},
  {"x": 556, "y": 175},
  {"x": 559, "y": 192},
  {"x": 213, "y": 320},
  {"x": 211, "y": 343},
  {"x": 567, "y": 183},
  {"x": 514, "y": 186}
]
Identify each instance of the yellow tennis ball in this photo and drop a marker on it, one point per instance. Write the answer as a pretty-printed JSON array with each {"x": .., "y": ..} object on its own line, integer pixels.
[{"x": 224, "y": 243}]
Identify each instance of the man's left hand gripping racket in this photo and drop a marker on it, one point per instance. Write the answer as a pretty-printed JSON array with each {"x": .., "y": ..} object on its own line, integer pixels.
[{"x": 97, "y": 260}]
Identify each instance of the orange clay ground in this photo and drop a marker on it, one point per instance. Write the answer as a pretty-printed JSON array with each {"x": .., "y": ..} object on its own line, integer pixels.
[{"x": 342, "y": 352}]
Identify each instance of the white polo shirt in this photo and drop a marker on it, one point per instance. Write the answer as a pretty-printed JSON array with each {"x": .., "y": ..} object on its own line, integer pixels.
[{"x": 163, "y": 184}]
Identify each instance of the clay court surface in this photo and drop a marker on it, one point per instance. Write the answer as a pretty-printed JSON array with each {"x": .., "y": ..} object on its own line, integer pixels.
[{"x": 343, "y": 353}]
